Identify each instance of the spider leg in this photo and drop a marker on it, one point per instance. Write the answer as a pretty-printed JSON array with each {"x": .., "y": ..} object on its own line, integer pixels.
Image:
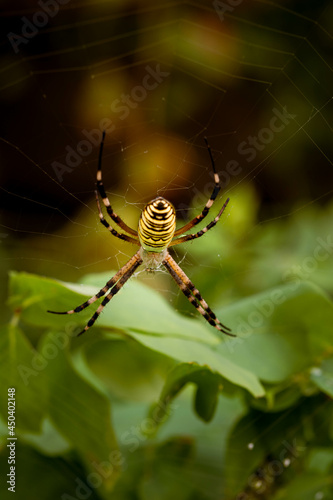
[
  {"x": 118, "y": 280},
  {"x": 209, "y": 203},
  {"x": 193, "y": 294},
  {"x": 121, "y": 236},
  {"x": 189, "y": 237},
  {"x": 101, "y": 190},
  {"x": 136, "y": 261}
]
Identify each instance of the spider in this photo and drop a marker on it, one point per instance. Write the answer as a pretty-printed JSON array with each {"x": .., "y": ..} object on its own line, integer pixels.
[{"x": 156, "y": 233}]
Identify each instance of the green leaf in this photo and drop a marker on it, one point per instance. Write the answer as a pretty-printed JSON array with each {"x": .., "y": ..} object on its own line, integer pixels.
[
  {"x": 208, "y": 384},
  {"x": 243, "y": 455},
  {"x": 280, "y": 332},
  {"x": 307, "y": 486},
  {"x": 259, "y": 435},
  {"x": 161, "y": 482},
  {"x": 206, "y": 398},
  {"x": 20, "y": 369},
  {"x": 278, "y": 397},
  {"x": 39, "y": 476},
  {"x": 189, "y": 351},
  {"x": 34, "y": 295},
  {"x": 320, "y": 460},
  {"x": 143, "y": 378},
  {"x": 80, "y": 413},
  {"x": 49, "y": 441},
  {"x": 323, "y": 376},
  {"x": 165, "y": 331}
]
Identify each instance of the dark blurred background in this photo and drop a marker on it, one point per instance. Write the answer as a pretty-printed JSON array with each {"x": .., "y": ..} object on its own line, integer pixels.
[{"x": 256, "y": 78}]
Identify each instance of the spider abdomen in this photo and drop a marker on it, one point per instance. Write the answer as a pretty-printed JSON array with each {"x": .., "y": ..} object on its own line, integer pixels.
[{"x": 157, "y": 225}]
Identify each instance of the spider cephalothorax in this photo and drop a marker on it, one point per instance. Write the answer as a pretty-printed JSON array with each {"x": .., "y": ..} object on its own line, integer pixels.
[{"x": 156, "y": 233}]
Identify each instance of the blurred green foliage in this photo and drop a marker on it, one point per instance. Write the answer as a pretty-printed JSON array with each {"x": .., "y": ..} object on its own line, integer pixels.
[{"x": 153, "y": 404}]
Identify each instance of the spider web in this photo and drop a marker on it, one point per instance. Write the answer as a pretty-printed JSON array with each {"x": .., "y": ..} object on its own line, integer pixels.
[{"x": 255, "y": 77}]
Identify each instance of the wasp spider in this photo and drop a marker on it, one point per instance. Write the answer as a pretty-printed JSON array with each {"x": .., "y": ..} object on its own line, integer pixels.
[{"x": 156, "y": 233}]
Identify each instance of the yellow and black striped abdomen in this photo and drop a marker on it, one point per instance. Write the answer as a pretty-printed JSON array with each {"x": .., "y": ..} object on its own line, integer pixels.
[{"x": 157, "y": 225}]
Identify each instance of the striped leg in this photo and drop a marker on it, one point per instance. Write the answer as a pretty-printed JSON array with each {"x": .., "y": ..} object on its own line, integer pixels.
[
  {"x": 129, "y": 267},
  {"x": 121, "y": 236},
  {"x": 193, "y": 294},
  {"x": 189, "y": 237},
  {"x": 209, "y": 203},
  {"x": 101, "y": 190},
  {"x": 136, "y": 262}
]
